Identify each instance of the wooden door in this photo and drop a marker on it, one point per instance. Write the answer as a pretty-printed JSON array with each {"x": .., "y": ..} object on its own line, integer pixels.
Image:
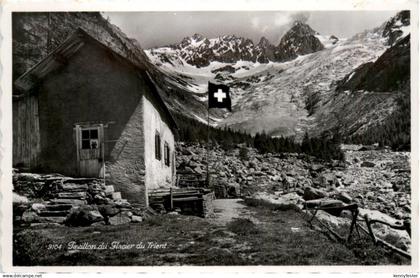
[{"x": 89, "y": 142}]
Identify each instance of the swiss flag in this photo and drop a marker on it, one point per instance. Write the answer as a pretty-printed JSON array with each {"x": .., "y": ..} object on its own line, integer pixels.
[{"x": 219, "y": 96}]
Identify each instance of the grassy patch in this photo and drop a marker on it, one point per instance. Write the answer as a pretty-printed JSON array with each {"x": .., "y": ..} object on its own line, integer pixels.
[
  {"x": 271, "y": 237},
  {"x": 242, "y": 226},
  {"x": 155, "y": 221}
]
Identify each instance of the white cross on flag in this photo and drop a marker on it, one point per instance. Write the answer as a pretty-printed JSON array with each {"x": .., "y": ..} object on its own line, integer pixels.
[{"x": 219, "y": 96}]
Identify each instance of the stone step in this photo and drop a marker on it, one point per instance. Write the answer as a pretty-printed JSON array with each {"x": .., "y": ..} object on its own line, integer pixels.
[
  {"x": 80, "y": 180},
  {"x": 52, "y": 219},
  {"x": 72, "y": 187},
  {"x": 72, "y": 195},
  {"x": 116, "y": 196},
  {"x": 53, "y": 213},
  {"x": 58, "y": 207},
  {"x": 76, "y": 202},
  {"x": 109, "y": 189}
]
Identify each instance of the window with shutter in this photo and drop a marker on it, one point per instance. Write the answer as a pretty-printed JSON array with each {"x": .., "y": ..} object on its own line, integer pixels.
[
  {"x": 167, "y": 154},
  {"x": 157, "y": 146}
]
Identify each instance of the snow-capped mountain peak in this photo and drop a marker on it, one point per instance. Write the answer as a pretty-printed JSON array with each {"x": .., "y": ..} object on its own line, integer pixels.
[
  {"x": 200, "y": 51},
  {"x": 299, "y": 40},
  {"x": 398, "y": 27},
  {"x": 291, "y": 88}
]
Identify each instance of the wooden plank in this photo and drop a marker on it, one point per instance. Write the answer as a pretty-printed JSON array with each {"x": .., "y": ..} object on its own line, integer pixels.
[
  {"x": 89, "y": 154},
  {"x": 31, "y": 131},
  {"x": 186, "y": 199},
  {"x": 175, "y": 194},
  {"x": 23, "y": 132},
  {"x": 16, "y": 129},
  {"x": 171, "y": 199},
  {"x": 36, "y": 148},
  {"x": 76, "y": 137},
  {"x": 26, "y": 137},
  {"x": 101, "y": 138}
]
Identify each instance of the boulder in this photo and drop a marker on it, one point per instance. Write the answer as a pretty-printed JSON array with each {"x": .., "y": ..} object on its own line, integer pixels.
[
  {"x": 119, "y": 219},
  {"x": 108, "y": 210},
  {"x": 370, "y": 195},
  {"x": 317, "y": 167},
  {"x": 99, "y": 199},
  {"x": 84, "y": 216},
  {"x": 30, "y": 216},
  {"x": 116, "y": 196},
  {"x": 126, "y": 213},
  {"x": 311, "y": 193},
  {"x": 122, "y": 203},
  {"x": 37, "y": 207},
  {"x": 109, "y": 189},
  {"x": 18, "y": 199},
  {"x": 136, "y": 219}
]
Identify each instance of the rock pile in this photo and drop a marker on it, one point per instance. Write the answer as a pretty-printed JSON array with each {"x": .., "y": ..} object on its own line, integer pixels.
[
  {"x": 374, "y": 179},
  {"x": 233, "y": 176},
  {"x": 377, "y": 180},
  {"x": 56, "y": 199}
]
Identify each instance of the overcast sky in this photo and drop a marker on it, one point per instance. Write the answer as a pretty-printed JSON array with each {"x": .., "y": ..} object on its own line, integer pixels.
[{"x": 154, "y": 29}]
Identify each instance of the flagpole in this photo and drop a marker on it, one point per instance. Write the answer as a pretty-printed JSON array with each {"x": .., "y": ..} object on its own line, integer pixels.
[{"x": 208, "y": 139}]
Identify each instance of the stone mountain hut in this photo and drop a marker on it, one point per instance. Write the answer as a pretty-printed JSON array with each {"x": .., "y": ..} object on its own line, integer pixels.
[{"x": 85, "y": 110}]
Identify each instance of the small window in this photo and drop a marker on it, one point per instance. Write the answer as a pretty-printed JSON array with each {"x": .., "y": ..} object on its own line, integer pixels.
[
  {"x": 167, "y": 154},
  {"x": 90, "y": 139},
  {"x": 157, "y": 146}
]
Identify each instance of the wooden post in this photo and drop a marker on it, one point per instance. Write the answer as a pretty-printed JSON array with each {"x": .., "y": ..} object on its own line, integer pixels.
[
  {"x": 207, "y": 152},
  {"x": 77, "y": 136},
  {"x": 354, "y": 213},
  {"x": 102, "y": 138},
  {"x": 171, "y": 199}
]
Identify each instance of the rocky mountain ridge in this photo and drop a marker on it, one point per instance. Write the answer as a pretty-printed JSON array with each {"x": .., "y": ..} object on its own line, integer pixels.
[
  {"x": 200, "y": 51},
  {"x": 387, "y": 73},
  {"x": 299, "y": 93},
  {"x": 398, "y": 27},
  {"x": 288, "y": 97}
]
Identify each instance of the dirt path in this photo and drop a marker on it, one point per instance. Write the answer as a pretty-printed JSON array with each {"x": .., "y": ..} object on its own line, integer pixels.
[{"x": 227, "y": 209}]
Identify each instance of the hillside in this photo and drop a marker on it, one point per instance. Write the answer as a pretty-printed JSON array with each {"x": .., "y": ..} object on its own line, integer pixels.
[
  {"x": 291, "y": 88},
  {"x": 309, "y": 82}
]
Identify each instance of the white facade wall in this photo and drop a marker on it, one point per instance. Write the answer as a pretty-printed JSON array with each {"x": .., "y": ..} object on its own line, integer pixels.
[{"x": 157, "y": 174}]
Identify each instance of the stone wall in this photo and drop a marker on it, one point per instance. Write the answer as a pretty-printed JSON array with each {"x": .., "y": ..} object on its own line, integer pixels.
[
  {"x": 93, "y": 86},
  {"x": 53, "y": 199},
  {"x": 127, "y": 169},
  {"x": 157, "y": 173}
]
